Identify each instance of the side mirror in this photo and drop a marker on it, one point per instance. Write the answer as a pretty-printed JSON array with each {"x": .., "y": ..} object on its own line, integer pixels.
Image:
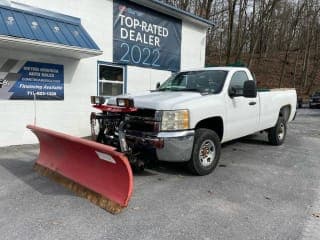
[
  {"x": 250, "y": 89},
  {"x": 158, "y": 85},
  {"x": 232, "y": 92}
]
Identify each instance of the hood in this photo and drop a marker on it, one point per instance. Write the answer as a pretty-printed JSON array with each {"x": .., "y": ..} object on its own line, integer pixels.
[{"x": 159, "y": 100}]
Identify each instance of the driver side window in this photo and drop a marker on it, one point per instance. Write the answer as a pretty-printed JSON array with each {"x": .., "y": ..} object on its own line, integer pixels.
[{"x": 237, "y": 82}]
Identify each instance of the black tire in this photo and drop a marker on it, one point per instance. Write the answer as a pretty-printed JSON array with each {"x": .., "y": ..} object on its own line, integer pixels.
[
  {"x": 101, "y": 138},
  {"x": 278, "y": 133},
  {"x": 204, "y": 138}
]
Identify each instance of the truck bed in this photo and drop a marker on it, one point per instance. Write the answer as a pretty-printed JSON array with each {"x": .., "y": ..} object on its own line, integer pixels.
[{"x": 275, "y": 98}]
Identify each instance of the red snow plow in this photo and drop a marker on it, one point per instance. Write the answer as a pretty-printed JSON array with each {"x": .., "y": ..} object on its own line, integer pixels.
[
  {"x": 101, "y": 170},
  {"x": 92, "y": 170}
]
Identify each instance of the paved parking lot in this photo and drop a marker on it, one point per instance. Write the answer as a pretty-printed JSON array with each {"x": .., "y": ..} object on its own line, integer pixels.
[{"x": 257, "y": 192}]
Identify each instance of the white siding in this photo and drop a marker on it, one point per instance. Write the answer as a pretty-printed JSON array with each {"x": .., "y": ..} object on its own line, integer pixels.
[
  {"x": 140, "y": 79},
  {"x": 193, "y": 49}
]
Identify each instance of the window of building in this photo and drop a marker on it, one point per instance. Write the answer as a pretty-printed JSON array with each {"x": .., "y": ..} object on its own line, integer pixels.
[
  {"x": 237, "y": 81},
  {"x": 111, "y": 80}
]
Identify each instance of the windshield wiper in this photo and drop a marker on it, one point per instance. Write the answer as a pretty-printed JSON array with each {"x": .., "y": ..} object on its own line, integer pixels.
[
  {"x": 163, "y": 89},
  {"x": 188, "y": 90},
  {"x": 182, "y": 90},
  {"x": 171, "y": 89}
]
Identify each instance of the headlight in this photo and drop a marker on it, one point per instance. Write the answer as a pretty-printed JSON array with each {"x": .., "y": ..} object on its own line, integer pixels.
[
  {"x": 175, "y": 120},
  {"x": 125, "y": 102},
  {"x": 97, "y": 100}
]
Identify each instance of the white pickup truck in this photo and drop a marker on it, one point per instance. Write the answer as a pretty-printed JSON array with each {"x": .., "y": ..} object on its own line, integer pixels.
[{"x": 188, "y": 117}]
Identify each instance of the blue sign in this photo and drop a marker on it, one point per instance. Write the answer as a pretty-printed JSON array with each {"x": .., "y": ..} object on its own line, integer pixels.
[
  {"x": 44, "y": 80},
  {"x": 145, "y": 38}
]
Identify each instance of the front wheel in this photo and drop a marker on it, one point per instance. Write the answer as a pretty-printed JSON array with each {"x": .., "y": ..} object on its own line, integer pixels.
[
  {"x": 206, "y": 152},
  {"x": 278, "y": 133}
]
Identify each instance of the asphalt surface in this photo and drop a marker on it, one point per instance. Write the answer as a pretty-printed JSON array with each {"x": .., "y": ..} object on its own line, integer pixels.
[{"x": 257, "y": 192}]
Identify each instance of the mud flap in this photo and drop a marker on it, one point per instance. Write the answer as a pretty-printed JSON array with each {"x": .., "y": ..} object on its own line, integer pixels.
[{"x": 99, "y": 168}]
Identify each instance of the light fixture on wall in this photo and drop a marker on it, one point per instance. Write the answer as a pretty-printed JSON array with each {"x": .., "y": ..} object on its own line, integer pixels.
[
  {"x": 76, "y": 33},
  {"x": 34, "y": 25},
  {"x": 10, "y": 20},
  {"x": 56, "y": 29}
]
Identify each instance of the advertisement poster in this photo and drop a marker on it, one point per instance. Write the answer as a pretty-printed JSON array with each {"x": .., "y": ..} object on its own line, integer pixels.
[
  {"x": 145, "y": 38},
  {"x": 44, "y": 80}
]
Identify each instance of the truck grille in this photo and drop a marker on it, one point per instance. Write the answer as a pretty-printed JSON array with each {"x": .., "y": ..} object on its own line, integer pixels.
[
  {"x": 144, "y": 113},
  {"x": 143, "y": 120}
]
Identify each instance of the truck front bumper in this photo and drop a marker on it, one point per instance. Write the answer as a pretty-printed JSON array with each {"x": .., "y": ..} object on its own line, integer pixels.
[{"x": 177, "y": 146}]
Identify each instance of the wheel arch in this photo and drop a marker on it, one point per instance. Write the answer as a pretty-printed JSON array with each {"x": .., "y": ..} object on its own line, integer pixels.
[
  {"x": 213, "y": 123},
  {"x": 285, "y": 112}
]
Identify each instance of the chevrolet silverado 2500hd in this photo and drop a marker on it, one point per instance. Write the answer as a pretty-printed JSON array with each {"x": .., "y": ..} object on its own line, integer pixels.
[{"x": 188, "y": 117}]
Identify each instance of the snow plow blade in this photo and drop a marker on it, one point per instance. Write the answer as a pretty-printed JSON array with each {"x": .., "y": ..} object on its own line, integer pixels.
[{"x": 92, "y": 170}]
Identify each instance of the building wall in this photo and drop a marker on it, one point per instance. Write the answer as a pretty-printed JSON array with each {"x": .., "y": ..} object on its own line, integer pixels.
[
  {"x": 193, "y": 49},
  {"x": 149, "y": 77},
  {"x": 72, "y": 115}
]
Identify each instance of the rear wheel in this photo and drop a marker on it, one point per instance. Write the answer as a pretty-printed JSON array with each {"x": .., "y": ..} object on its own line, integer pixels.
[
  {"x": 206, "y": 152},
  {"x": 278, "y": 133}
]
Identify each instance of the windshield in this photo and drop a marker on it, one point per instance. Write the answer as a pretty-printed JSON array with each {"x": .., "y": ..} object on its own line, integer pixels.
[
  {"x": 207, "y": 81},
  {"x": 316, "y": 94}
]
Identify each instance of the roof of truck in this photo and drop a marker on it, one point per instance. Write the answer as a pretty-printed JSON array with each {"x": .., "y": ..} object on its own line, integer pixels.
[{"x": 215, "y": 68}]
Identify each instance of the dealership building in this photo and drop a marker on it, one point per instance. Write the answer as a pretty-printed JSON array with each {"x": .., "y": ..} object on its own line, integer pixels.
[{"x": 62, "y": 52}]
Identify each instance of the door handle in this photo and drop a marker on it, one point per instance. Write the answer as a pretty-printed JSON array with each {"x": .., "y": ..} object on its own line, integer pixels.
[{"x": 252, "y": 103}]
